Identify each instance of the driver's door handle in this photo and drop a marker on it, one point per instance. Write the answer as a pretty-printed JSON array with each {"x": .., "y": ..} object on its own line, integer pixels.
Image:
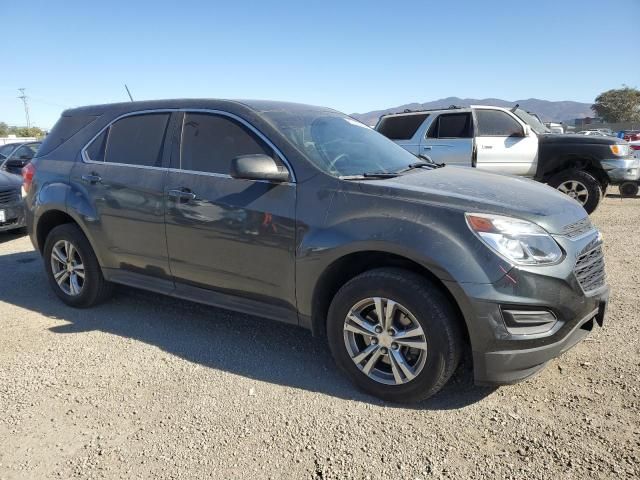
[
  {"x": 426, "y": 147},
  {"x": 181, "y": 195},
  {"x": 92, "y": 178}
]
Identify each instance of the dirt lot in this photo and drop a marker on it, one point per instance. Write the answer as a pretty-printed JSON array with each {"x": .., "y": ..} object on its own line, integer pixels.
[{"x": 150, "y": 387}]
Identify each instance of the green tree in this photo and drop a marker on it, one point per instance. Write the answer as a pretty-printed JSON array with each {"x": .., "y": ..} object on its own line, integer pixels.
[
  {"x": 618, "y": 105},
  {"x": 4, "y": 129},
  {"x": 26, "y": 132}
]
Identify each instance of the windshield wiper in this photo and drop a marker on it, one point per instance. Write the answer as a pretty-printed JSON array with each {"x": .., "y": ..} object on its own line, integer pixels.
[
  {"x": 428, "y": 164},
  {"x": 371, "y": 175}
]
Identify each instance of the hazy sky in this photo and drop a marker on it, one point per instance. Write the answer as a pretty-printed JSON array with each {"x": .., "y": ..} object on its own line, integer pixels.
[{"x": 354, "y": 56}]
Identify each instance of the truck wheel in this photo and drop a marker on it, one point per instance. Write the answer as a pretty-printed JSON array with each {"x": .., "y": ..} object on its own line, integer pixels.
[
  {"x": 579, "y": 185},
  {"x": 629, "y": 189},
  {"x": 394, "y": 334}
]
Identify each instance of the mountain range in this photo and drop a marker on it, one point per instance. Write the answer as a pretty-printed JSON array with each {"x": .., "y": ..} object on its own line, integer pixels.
[{"x": 548, "y": 111}]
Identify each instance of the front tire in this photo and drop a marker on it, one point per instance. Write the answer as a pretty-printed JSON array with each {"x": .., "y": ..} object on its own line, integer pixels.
[
  {"x": 394, "y": 334},
  {"x": 72, "y": 268},
  {"x": 579, "y": 185},
  {"x": 629, "y": 189}
]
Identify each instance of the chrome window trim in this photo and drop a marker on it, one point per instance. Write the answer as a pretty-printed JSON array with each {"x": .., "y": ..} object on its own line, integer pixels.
[
  {"x": 224, "y": 175},
  {"x": 85, "y": 158}
]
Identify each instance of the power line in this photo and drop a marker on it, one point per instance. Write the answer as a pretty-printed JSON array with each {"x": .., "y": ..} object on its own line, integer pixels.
[{"x": 23, "y": 97}]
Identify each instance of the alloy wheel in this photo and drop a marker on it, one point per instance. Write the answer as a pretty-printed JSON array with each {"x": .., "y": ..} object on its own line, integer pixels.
[
  {"x": 67, "y": 267},
  {"x": 576, "y": 190},
  {"x": 385, "y": 341}
]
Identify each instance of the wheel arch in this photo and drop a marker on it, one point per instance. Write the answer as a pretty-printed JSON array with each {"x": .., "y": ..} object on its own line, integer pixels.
[
  {"x": 52, "y": 218},
  {"x": 579, "y": 162},
  {"x": 348, "y": 266}
]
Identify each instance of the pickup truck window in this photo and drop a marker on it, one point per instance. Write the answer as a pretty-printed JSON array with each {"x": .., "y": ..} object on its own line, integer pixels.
[
  {"x": 401, "y": 127},
  {"x": 451, "y": 125},
  {"x": 496, "y": 123}
]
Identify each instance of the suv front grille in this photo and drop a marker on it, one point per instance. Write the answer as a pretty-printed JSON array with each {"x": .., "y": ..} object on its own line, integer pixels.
[
  {"x": 9, "y": 195},
  {"x": 578, "y": 228},
  {"x": 589, "y": 269}
]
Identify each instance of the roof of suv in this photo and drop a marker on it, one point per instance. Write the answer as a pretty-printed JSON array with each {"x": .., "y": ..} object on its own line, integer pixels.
[
  {"x": 452, "y": 108},
  {"x": 204, "y": 103}
]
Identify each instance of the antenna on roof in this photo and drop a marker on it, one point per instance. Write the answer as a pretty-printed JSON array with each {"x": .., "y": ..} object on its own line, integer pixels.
[
  {"x": 128, "y": 92},
  {"x": 515, "y": 108}
]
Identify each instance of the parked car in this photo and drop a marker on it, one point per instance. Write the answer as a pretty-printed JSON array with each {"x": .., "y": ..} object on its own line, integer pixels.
[
  {"x": 11, "y": 204},
  {"x": 555, "y": 127},
  {"x": 17, "y": 156},
  {"x": 304, "y": 215},
  {"x": 597, "y": 133},
  {"x": 631, "y": 135},
  {"x": 510, "y": 141}
]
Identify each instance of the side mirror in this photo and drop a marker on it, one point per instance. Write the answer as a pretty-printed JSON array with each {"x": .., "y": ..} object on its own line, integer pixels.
[
  {"x": 258, "y": 167},
  {"x": 527, "y": 130}
]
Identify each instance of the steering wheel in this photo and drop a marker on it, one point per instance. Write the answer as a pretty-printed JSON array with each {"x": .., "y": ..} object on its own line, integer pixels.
[{"x": 339, "y": 158}]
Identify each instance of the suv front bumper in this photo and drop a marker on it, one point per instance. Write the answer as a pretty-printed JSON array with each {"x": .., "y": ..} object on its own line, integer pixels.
[
  {"x": 508, "y": 342},
  {"x": 622, "y": 169},
  {"x": 508, "y": 366},
  {"x": 14, "y": 214}
]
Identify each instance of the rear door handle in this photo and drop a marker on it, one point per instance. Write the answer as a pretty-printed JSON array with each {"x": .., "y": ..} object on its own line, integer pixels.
[
  {"x": 426, "y": 147},
  {"x": 181, "y": 195},
  {"x": 92, "y": 178}
]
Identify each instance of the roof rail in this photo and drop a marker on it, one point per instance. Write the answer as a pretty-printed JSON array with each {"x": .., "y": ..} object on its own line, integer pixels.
[{"x": 408, "y": 110}]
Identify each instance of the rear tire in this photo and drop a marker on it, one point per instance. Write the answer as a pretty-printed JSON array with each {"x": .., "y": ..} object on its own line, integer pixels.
[
  {"x": 579, "y": 185},
  {"x": 72, "y": 268},
  {"x": 415, "y": 302},
  {"x": 629, "y": 189}
]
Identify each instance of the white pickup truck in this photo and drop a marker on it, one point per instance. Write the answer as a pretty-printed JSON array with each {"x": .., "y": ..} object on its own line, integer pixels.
[{"x": 512, "y": 141}]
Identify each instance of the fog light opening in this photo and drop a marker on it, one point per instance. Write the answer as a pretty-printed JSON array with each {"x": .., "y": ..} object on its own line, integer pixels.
[{"x": 528, "y": 322}]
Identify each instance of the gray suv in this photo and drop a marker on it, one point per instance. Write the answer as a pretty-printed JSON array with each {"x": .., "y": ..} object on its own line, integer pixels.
[{"x": 303, "y": 215}]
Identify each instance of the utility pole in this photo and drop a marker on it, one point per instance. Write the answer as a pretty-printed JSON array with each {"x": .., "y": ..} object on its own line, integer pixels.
[{"x": 23, "y": 97}]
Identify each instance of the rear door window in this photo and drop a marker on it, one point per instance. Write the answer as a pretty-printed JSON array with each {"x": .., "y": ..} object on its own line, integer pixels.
[
  {"x": 95, "y": 151},
  {"x": 135, "y": 140},
  {"x": 496, "y": 123},
  {"x": 210, "y": 142},
  {"x": 402, "y": 127},
  {"x": 452, "y": 125}
]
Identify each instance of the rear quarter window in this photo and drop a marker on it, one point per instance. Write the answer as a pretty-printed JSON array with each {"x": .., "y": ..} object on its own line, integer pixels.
[
  {"x": 402, "y": 127},
  {"x": 65, "y": 128}
]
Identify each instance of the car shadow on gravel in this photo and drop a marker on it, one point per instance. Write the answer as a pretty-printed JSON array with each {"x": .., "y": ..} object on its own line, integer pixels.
[
  {"x": 11, "y": 235},
  {"x": 256, "y": 348}
]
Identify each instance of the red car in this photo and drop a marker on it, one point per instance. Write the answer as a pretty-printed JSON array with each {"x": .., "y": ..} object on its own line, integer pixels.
[{"x": 631, "y": 135}]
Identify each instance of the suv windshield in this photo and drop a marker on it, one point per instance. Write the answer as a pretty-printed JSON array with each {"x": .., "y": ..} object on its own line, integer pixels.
[
  {"x": 338, "y": 144},
  {"x": 532, "y": 121}
]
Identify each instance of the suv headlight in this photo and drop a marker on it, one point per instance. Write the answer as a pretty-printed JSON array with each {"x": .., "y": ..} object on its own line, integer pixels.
[
  {"x": 619, "y": 149},
  {"x": 519, "y": 241}
]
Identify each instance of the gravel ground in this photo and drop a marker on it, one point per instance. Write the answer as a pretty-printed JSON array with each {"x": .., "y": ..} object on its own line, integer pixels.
[{"x": 151, "y": 387}]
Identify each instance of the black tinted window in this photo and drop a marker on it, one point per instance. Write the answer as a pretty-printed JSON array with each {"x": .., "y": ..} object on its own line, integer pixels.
[
  {"x": 95, "y": 151},
  {"x": 137, "y": 140},
  {"x": 494, "y": 123},
  {"x": 452, "y": 125},
  {"x": 210, "y": 142},
  {"x": 402, "y": 127},
  {"x": 65, "y": 128}
]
